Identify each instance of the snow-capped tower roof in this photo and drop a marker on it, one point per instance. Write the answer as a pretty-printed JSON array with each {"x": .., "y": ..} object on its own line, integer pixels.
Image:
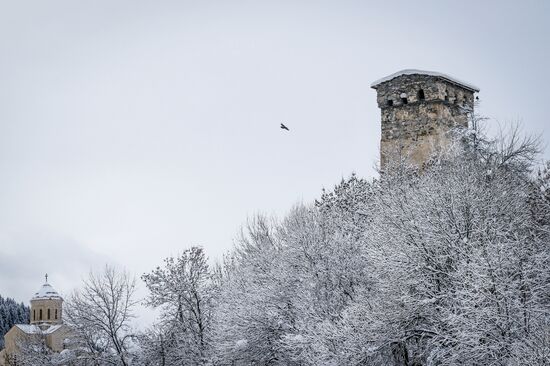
[
  {"x": 440, "y": 75},
  {"x": 46, "y": 292},
  {"x": 46, "y": 307}
]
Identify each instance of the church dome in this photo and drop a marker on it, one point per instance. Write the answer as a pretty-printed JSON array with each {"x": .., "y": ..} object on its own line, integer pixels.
[{"x": 46, "y": 292}]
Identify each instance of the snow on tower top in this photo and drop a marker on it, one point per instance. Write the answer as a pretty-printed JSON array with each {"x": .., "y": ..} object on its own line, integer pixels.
[
  {"x": 46, "y": 292},
  {"x": 429, "y": 73}
]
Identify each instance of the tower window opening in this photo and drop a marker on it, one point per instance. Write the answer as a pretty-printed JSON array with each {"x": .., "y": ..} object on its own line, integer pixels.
[
  {"x": 404, "y": 100},
  {"x": 40, "y": 314},
  {"x": 34, "y": 314},
  {"x": 389, "y": 103},
  {"x": 55, "y": 314},
  {"x": 421, "y": 95},
  {"x": 49, "y": 317}
]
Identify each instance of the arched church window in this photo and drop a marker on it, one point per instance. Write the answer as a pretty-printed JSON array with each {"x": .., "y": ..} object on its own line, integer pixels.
[
  {"x": 421, "y": 95},
  {"x": 40, "y": 314},
  {"x": 34, "y": 314},
  {"x": 49, "y": 314},
  {"x": 55, "y": 314}
]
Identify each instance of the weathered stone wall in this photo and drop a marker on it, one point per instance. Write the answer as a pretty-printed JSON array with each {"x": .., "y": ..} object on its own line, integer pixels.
[{"x": 418, "y": 111}]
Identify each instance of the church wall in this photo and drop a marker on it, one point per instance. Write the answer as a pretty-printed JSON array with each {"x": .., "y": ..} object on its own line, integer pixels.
[
  {"x": 46, "y": 298},
  {"x": 55, "y": 340},
  {"x": 11, "y": 338}
]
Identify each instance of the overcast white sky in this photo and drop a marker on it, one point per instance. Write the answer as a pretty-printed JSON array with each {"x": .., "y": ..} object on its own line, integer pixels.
[{"x": 130, "y": 130}]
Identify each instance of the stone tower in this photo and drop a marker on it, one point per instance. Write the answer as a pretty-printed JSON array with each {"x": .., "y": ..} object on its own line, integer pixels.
[
  {"x": 419, "y": 109},
  {"x": 46, "y": 306}
]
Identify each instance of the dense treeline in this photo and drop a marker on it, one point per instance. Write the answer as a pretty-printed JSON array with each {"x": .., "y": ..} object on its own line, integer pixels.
[
  {"x": 11, "y": 313},
  {"x": 447, "y": 265},
  {"x": 443, "y": 266}
]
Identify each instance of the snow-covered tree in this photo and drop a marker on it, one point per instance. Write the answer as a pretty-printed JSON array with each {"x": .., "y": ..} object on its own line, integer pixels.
[
  {"x": 184, "y": 290},
  {"x": 446, "y": 264},
  {"x": 99, "y": 314},
  {"x": 154, "y": 349},
  {"x": 443, "y": 265},
  {"x": 285, "y": 280},
  {"x": 459, "y": 263},
  {"x": 254, "y": 308}
]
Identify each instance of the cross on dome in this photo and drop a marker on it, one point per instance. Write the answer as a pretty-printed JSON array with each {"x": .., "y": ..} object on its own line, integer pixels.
[{"x": 46, "y": 306}]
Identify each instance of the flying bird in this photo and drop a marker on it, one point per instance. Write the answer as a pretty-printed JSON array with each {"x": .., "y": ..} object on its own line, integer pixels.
[{"x": 284, "y": 127}]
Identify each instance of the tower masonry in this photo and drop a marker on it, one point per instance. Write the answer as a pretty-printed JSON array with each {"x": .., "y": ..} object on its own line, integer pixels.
[{"x": 419, "y": 109}]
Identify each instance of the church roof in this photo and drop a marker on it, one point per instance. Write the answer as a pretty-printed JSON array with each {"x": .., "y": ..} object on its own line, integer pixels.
[
  {"x": 35, "y": 329},
  {"x": 424, "y": 72},
  {"x": 46, "y": 292}
]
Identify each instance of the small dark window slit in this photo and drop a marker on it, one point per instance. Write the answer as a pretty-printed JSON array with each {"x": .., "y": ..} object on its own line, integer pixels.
[
  {"x": 421, "y": 95},
  {"x": 404, "y": 100},
  {"x": 389, "y": 102}
]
